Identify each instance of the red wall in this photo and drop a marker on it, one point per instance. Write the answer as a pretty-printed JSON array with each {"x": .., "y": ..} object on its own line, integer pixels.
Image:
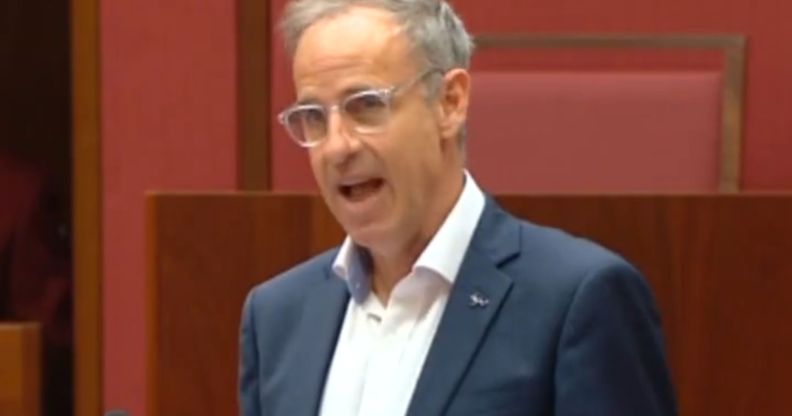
[
  {"x": 168, "y": 122},
  {"x": 768, "y": 99}
]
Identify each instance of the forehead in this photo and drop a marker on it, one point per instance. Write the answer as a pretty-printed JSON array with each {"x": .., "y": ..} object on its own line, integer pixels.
[{"x": 359, "y": 42}]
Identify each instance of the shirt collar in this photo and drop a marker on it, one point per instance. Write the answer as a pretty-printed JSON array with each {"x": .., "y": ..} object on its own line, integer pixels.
[{"x": 443, "y": 255}]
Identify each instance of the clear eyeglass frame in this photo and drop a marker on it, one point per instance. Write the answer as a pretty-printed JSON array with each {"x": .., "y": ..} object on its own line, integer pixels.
[{"x": 365, "y": 112}]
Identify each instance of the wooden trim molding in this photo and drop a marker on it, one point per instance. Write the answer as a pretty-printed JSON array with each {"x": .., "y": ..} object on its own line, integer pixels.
[
  {"x": 87, "y": 207},
  {"x": 152, "y": 312},
  {"x": 253, "y": 95},
  {"x": 731, "y": 46}
]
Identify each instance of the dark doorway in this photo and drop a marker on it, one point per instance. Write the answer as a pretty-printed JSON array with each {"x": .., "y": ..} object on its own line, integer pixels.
[{"x": 35, "y": 184}]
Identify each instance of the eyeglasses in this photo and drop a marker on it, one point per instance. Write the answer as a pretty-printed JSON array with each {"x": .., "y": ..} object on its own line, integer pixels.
[{"x": 365, "y": 112}]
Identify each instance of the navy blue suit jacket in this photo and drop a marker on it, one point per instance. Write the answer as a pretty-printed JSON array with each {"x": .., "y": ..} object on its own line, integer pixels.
[{"x": 570, "y": 329}]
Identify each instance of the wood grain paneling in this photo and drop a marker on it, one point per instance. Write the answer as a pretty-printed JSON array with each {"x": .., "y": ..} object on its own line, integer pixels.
[
  {"x": 719, "y": 266},
  {"x": 210, "y": 273}
]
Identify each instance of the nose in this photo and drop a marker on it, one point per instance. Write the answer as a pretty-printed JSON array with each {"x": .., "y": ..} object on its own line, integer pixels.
[{"x": 339, "y": 146}]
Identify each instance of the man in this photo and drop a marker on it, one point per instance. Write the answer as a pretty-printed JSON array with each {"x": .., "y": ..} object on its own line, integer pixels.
[{"x": 438, "y": 302}]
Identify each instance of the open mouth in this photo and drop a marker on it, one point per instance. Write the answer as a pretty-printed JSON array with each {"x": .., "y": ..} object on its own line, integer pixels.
[{"x": 361, "y": 190}]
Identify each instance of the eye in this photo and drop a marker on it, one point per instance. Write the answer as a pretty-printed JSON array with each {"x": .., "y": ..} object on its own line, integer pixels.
[
  {"x": 366, "y": 101},
  {"x": 367, "y": 108},
  {"x": 307, "y": 124},
  {"x": 312, "y": 117}
]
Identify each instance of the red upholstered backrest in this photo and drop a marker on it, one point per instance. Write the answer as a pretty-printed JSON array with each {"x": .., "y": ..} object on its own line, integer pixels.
[{"x": 595, "y": 131}]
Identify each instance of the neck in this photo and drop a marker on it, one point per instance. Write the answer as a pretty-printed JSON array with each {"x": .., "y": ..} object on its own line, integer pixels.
[{"x": 390, "y": 266}]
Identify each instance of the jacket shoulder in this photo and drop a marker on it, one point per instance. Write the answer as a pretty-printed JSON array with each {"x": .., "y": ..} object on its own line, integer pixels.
[
  {"x": 556, "y": 258},
  {"x": 288, "y": 288}
]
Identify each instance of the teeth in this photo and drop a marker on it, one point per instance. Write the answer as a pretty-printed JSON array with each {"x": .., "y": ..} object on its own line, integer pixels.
[{"x": 360, "y": 189}]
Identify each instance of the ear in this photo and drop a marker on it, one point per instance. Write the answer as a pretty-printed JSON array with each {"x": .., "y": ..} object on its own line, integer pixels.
[{"x": 453, "y": 99}]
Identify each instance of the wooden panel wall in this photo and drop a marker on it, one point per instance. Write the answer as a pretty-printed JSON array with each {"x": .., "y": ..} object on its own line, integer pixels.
[
  {"x": 207, "y": 252},
  {"x": 719, "y": 266}
]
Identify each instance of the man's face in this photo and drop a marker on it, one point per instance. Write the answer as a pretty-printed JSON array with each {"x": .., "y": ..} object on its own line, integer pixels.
[{"x": 381, "y": 186}]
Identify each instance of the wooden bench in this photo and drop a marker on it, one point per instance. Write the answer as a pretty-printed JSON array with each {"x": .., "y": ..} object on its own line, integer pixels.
[{"x": 20, "y": 369}]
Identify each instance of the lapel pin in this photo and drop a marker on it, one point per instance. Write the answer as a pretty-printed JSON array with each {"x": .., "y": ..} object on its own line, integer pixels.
[{"x": 478, "y": 300}]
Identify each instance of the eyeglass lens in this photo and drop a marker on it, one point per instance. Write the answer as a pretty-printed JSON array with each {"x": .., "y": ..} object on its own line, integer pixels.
[{"x": 367, "y": 112}]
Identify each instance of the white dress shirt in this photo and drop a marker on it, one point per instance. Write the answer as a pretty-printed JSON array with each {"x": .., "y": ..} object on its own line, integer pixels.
[{"x": 381, "y": 350}]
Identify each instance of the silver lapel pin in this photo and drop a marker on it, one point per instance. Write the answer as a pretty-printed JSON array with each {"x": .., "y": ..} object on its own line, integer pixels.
[{"x": 478, "y": 300}]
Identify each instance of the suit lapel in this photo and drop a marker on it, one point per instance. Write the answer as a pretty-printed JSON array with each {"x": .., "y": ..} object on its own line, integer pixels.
[
  {"x": 319, "y": 327},
  {"x": 473, "y": 303}
]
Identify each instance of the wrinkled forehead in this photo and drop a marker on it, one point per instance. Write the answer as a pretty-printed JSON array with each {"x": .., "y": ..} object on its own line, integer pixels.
[{"x": 361, "y": 37}]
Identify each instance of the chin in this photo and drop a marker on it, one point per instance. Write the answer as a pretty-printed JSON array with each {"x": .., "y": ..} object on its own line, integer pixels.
[
  {"x": 364, "y": 236},
  {"x": 372, "y": 236}
]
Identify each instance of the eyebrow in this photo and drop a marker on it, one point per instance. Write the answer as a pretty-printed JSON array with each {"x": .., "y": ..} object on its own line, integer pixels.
[
  {"x": 349, "y": 90},
  {"x": 307, "y": 101}
]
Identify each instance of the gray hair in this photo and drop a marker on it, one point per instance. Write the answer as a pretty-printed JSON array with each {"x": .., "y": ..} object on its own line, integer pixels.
[
  {"x": 436, "y": 32},
  {"x": 434, "y": 29}
]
